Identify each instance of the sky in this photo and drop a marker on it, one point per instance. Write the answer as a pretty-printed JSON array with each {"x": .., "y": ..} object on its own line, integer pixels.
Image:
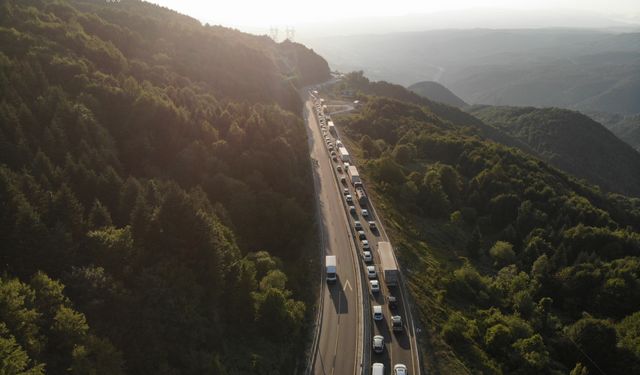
[{"x": 261, "y": 13}]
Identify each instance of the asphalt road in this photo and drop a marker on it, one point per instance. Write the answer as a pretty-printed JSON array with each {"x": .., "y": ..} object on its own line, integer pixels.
[
  {"x": 339, "y": 345},
  {"x": 400, "y": 347}
]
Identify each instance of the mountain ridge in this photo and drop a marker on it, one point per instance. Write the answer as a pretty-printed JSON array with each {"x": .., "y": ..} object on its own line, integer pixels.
[
  {"x": 572, "y": 142},
  {"x": 437, "y": 92}
]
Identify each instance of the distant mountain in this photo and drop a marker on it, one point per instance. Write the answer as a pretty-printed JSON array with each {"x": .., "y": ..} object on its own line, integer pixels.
[
  {"x": 364, "y": 87},
  {"x": 569, "y": 68},
  {"x": 477, "y": 18},
  {"x": 626, "y": 128},
  {"x": 437, "y": 92},
  {"x": 572, "y": 142}
]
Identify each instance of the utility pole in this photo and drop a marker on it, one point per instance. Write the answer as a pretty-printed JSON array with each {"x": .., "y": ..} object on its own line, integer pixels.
[
  {"x": 291, "y": 33},
  {"x": 273, "y": 33}
]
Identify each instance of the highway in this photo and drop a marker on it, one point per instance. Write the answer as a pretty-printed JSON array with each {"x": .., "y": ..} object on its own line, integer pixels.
[
  {"x": 346, "y": 325},
  {"x": 339, "y": 345}
]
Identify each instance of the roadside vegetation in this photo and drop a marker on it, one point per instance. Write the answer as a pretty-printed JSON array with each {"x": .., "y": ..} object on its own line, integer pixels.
[
  {"x": 156, "y": 213},
  {"x": 514, "y": 266}
]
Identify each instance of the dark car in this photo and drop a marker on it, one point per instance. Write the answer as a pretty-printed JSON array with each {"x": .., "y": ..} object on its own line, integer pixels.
[{"x": 392, "y": 301}]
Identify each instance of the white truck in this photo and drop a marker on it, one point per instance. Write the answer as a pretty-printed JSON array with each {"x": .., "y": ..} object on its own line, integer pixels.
[
  {"x": 354, "y": 175},
  {"x": 331, "y": 264},
  {"x": 332, "y": 128},
  {"x": 388, "y": 263},
  {"x": 344, "y": 154}
]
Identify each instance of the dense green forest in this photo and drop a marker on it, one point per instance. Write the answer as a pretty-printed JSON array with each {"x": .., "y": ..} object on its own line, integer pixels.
[
  {"x": 515, "y": 267},
  {"x": 155, "y": 212},
  {"x": 571, "y": 142}
]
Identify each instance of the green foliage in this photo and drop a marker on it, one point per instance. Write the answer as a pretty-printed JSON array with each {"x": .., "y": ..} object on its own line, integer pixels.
[
  {"x": 629, "y": 332},
  {"x": 502, "y": 253},
  {"x": 144, "y": 158},
  {"x": 596, "y": 340},
  {"x": 530, "y": 249},
  {"x": 580, "y": 369},
  {"x": 552, "y": 133},
  {"x": 38, "y": 327}
]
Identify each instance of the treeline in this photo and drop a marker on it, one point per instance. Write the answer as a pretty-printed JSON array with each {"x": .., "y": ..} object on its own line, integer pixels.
[
  {"x": 516, "y": 267},
  {"x": 156, "y": 216}
]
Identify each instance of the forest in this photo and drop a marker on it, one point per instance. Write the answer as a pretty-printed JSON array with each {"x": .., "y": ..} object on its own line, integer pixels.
[
  {"x": 514, "y": 266},
  {"x": 572, "y": 142},
  {"x": 153, "y": 182}
]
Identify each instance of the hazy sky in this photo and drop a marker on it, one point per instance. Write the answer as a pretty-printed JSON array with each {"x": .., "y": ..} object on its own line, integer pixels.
[{"x": 260, "y": 13}]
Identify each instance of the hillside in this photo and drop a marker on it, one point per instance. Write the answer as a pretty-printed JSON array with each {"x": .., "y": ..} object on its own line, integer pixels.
[
  {"x": 363, "y": 87},
  {"x": 514, "y": 266},
  {"x": 626, "y": 128},
  {"x": 571, "y": 142},
  {"x": 438, "y": 93},
  {"x": 580, "y": 69},
  {"x": 156, "y": 217}
]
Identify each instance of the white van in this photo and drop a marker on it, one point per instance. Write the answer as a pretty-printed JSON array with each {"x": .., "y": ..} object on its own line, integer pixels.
[
  {"x": 377, "y": 312},
  {"x": 377, "y": 369}
]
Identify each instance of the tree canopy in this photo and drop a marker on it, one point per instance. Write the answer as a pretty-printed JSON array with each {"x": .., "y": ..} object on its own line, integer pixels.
[
  {"x": 516, "y": 267},
  {"x": 154, "y": 191}
]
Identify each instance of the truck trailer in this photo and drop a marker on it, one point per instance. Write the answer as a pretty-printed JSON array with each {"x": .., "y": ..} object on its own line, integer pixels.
[
  {"x": 354, "y": 175},
  {"x": 331, "y": 264},
  {"x": 361, "y": 196},
  {"x": 332, "y": 128},
  {"x": 388, "y": 263},
  {"x": 344, "y": 154}
]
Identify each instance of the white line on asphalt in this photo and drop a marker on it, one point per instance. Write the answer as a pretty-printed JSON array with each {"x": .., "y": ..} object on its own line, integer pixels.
[{"x": 347, "y": 285}]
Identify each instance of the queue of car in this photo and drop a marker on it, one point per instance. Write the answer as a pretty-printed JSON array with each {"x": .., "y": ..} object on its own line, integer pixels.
[{"x": 367, "y": 255}]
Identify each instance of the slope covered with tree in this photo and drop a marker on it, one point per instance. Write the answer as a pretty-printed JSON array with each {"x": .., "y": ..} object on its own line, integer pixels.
[
  {"x": 571, "y": 142},
  {"x": 626, "y": 128},
  {"x": 361, "y": 85},
  {"x": 155, "y": 217},
  {"x": 437, "y": 92},
  {"x": 514, "y": 266}
]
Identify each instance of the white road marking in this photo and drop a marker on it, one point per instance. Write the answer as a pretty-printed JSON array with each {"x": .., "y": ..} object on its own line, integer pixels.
[{"x": 347, "y": 285}]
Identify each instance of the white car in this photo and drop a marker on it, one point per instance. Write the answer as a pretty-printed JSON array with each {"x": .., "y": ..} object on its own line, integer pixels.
[
  {"x": 378, "y": 344},
  {"x": 365, "y": 245},
  {"x": 377, "y": 312},
  {"x": 348, "y": 198},
  {"x": 366, "y": 255},
  {"x": 371, "y": 272},
  {"x": 400, "y": 369},
  {"x": 358, "y": 225},
  {"x": 375, "y": 286},
  {"x": 365, "y": 213}
]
